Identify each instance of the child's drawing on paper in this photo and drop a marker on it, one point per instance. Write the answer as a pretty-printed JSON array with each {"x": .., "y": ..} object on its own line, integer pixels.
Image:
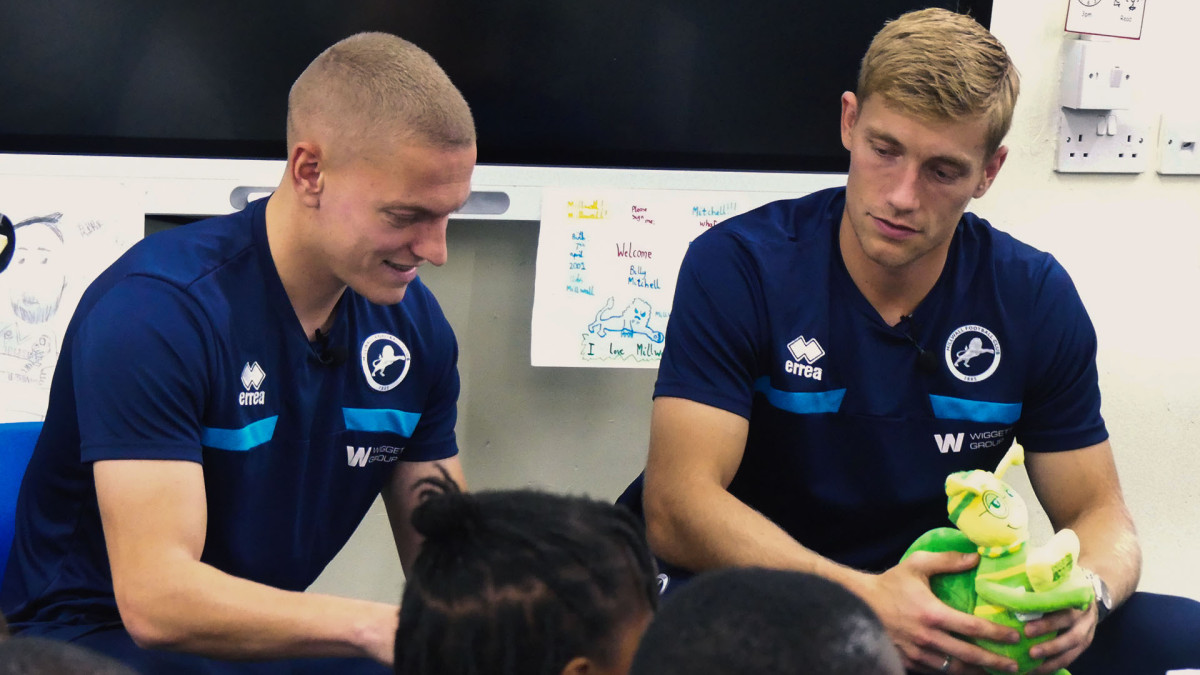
[
  {"x": 633, "y": 320},
  {"x": 35, "y": 280},
  {"x": 62, "y": 238},
  {"x": 625, "y": 336}
]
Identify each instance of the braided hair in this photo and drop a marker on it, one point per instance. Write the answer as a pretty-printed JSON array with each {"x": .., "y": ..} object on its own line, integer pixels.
[{"x": 519, "y": 582}]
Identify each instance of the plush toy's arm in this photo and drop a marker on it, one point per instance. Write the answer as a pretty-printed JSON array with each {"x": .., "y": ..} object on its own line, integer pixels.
[
  {"x": 1075, "y": 592},
  {"x": 1054, "y": 562}
]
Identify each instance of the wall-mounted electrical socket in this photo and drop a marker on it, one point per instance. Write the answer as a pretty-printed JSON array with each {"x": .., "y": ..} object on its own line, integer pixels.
[
  {"x": 1178, "y": 138},
  {"x": 1097, "y": 75},
  {"x": 1101, "y": 141}
]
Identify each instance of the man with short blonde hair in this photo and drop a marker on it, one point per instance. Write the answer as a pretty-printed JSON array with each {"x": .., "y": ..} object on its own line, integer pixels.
[
  {"x": 831, "y": 359},
  {"x": 372, "y": 87},
  {"x": 908, "y": 65},
  {"x": 235, "y": 394}
]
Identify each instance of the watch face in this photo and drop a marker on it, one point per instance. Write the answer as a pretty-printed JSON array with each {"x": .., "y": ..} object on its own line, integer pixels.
[
  {"x": 1089, "y": 3},
  {"x": 1103, "y": 598}
]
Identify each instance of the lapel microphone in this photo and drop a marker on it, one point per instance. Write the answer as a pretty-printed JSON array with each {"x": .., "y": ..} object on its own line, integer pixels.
[
  {"x": 330, "y": 355},
  {"x": 927, "y": 361}
]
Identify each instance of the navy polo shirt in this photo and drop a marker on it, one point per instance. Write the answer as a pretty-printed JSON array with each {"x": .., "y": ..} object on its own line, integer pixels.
[
  {"x": 855, "y": 424},
  {"x": 187, "y": 348}
]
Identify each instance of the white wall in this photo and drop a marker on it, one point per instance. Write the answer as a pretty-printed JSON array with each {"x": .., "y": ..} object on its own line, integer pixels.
[{"x": 1132, "y": 244}]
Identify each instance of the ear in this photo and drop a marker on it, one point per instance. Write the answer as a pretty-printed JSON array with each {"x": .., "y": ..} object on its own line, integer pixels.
[
  {"x": 991, "y": 169},
  {"x": 849, "y": 116},
  {"x": 580, "y": 665},
  {"x": 306, "y": 172},
  {"x": 957, "y": 483}
]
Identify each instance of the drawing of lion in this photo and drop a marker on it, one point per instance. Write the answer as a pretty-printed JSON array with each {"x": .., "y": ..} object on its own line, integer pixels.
[{"x": 633, "y": 320}]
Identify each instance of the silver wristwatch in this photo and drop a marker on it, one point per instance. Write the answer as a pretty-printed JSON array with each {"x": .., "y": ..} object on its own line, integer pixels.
[{"x": 1104, "y": 603}]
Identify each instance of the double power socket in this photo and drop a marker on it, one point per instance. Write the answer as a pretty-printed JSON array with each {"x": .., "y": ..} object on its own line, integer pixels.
[
  {"x": 1097, "y": 131},
  {"x": 1114, "y": 141}
]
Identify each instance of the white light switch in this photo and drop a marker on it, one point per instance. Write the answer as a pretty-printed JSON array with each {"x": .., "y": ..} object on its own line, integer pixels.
[{"x": 1097, "y": 76}]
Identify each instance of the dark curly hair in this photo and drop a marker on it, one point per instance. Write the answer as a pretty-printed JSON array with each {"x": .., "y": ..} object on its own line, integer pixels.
[{"x": 519, "y": 582}]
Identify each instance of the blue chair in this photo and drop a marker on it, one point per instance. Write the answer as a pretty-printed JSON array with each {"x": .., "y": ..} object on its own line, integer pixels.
[{"x": 16, "y": 445}]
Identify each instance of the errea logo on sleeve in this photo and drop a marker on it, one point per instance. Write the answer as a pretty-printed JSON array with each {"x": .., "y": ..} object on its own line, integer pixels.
[{"x": 252, "y": 379}]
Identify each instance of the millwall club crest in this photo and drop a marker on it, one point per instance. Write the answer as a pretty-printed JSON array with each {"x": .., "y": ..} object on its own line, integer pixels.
[
  {"x": 972, "y": 353},
  {"x": 385, "y": 361}
]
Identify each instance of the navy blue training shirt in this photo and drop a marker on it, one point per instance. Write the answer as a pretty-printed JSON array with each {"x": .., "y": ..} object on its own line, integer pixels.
[
  {"x": 855, "y": 424},
  {"x": 187, "y": 348}
]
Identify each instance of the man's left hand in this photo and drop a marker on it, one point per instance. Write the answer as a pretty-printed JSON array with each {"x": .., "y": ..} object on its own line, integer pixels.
[{"x": 1075, "y": 632}]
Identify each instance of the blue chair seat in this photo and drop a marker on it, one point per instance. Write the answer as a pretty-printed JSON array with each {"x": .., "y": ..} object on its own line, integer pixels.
[{"x": 16, "y": 445}]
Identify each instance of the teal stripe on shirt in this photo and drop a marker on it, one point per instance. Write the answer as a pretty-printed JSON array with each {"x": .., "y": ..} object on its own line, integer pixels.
[
  {"x": 801, "y": 402},
  {"x": 240, "y": 440},
  {"x": 947, "y": 408},
  {"x": 381, "y": 419}
]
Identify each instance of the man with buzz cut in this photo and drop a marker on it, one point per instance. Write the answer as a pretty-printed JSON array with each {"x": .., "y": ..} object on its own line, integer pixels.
[
  {"x": 234, "y": 394},
  {"x": 831, "y": 359}
]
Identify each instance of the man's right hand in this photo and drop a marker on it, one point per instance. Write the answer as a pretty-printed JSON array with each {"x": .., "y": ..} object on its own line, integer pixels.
[{"x": 925, "y": 630}]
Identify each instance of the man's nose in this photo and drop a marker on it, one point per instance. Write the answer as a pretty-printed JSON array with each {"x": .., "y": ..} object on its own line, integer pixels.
[
  {"x": 430, "y": 244},
  {"x": 904, "y": 195}
]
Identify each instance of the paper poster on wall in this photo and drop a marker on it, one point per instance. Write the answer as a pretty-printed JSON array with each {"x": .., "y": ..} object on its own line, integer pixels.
[
  {"x": 67, "y": 230},
  {"x": 606, "y": 268}
]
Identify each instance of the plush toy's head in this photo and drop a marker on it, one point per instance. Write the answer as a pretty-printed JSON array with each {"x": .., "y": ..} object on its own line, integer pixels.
[{"x": 985, "y": 508}]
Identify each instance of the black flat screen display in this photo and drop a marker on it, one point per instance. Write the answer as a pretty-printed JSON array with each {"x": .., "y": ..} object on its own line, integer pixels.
[{"x": 682, "y": 84}]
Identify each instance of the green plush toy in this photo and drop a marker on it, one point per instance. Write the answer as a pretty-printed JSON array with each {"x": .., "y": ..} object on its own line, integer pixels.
[{"x": 1013, "y": 583}]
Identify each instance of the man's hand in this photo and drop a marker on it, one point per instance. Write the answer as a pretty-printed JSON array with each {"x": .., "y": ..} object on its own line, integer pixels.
[
  {"x": 1075, "y": 632},
  {"x": 926, "y": 630}
]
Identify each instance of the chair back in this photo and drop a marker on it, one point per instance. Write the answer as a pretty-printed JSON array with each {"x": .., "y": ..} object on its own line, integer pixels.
[{"x": 16, "y": 446}]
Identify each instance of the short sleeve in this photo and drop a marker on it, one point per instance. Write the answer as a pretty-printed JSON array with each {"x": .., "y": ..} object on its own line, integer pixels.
[
  {"x": 141, "y": 373},
  {"x": 434, "y": 437},
  {"x": 1061, "y": 410},
  {"x": 713, "y": 335}
]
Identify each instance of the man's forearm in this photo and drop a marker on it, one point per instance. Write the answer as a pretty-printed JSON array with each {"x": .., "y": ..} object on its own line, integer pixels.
[
  {"x": 195, "y": 608},
  {"x": 1110, "y": 548},
  {"x": 710, "y": 528}
]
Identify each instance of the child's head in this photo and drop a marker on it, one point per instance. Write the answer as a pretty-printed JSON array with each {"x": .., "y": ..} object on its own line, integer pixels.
[
  {"x": 523, "y": 582},
  {"x": 754, "y": 621}
]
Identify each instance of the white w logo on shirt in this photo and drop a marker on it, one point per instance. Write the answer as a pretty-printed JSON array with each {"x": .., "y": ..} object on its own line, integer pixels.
[
  {"x": 359, "y": 456},
  {"x": 948, "y": 442}
]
